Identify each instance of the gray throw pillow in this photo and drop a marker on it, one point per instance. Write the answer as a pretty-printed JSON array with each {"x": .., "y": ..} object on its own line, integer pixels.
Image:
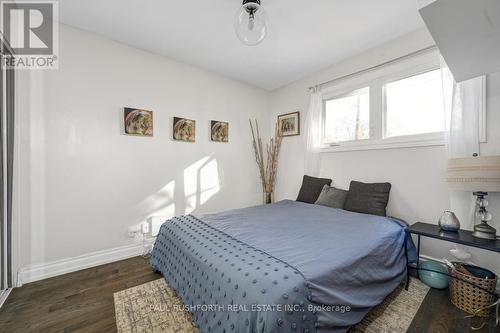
[
  {"x": 311, "y": 188},
  {"x": 332, "y": 197},
  {"x": 368, "y": 198}
]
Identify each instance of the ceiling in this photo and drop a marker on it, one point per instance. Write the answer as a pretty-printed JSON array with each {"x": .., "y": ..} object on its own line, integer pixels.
[{"x": 304, "y": 36}]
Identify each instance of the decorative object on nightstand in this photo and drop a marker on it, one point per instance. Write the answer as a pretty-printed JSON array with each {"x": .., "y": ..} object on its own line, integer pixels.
[
  {"x": 477, "y": 174},
  {"x": 449, "y": 222},
  {"x": 483, "y": 230}
]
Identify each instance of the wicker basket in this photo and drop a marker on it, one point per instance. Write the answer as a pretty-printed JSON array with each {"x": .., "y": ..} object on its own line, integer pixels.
[{"x": 466, "y": 296}]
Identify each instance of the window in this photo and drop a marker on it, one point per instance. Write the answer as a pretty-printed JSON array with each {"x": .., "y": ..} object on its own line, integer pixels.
[
  {"x": 415, "y": 105},
  {"x": 347, "y": 117},
  {"x": 397, "y": 105}
]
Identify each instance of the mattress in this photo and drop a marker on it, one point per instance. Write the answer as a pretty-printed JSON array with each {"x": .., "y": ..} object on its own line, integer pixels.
[{"x": 284, "y": 267}]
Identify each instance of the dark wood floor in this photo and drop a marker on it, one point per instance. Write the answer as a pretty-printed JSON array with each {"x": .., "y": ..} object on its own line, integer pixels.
[
  {"x": 438, "y": 315},
  {"x": 83, "y": 302},
  {"x": 75, "y": 302}
]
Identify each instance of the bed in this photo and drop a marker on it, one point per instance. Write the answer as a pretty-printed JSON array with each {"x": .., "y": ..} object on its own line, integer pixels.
[{"x": 284, "y": 267}]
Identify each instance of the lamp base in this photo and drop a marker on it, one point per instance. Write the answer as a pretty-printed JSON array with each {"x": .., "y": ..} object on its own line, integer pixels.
[{"x": 485, "y": 231}]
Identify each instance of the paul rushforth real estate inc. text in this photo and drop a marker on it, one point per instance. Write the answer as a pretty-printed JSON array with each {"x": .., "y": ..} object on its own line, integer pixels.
[{"x": 248, "y": 308}]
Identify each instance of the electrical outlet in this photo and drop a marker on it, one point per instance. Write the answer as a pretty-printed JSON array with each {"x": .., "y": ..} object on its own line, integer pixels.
[{"x": 133, "y": 230}]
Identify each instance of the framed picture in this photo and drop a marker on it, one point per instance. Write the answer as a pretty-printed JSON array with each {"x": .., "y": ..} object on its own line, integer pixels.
[
  {"x": 184, "y": 129},
  {"x": 219, "y": 131},
  {"x": 289, "y": 124},
  {"x": 138, "y": 122}
]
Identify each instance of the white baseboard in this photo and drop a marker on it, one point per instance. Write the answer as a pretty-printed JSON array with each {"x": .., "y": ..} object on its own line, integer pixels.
[
  {"x": 68, "y": 265},
  {"x": 426, "y": 257}
]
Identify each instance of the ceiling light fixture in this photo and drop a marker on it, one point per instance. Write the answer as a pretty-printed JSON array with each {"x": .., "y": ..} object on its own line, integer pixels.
[{"x": 250, "y": 22}]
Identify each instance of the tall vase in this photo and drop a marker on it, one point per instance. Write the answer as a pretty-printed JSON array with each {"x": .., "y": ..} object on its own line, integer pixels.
[{"x": 267, "y": 197}]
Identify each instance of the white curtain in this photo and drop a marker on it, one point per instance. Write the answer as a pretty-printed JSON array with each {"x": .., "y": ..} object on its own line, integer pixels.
[
  {"x": 312, "y": 159},
  {"x": 462, "y": 104}
]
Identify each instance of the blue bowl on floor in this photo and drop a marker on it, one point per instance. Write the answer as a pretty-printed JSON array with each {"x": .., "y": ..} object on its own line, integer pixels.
[{"x": 436, "y": 278}]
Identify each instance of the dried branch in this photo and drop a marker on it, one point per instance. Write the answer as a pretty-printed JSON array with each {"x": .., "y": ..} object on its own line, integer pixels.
[{"x": 268, "y": 170}]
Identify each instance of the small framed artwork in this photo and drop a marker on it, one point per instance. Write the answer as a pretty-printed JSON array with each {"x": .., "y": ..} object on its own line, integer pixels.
[
  {"x": 289, "y": 124},
  {"x": 138, "y": 122},
  {"x": 219, "y": 131},
  {"x": 184, "y": 129}
]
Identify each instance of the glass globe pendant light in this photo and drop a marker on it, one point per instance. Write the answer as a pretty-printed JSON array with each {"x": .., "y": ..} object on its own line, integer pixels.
[{"x": 250, "y": 22}]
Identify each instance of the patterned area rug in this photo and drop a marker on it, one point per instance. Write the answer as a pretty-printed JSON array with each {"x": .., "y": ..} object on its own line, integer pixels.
[
  {"x": 396, "y": 312},
  {"x": 155, "y": 308}
]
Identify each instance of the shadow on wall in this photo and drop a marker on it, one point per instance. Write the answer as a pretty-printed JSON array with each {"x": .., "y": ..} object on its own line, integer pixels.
[{"x": 200, "y": 182}]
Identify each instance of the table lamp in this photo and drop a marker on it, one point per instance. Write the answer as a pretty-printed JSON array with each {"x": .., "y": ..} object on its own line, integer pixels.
[{"x": 480, "y": 175}]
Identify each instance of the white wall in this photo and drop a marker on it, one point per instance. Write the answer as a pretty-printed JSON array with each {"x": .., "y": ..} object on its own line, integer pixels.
[
  {"x": 419, "y": 191},
  {"x": 83, "y": 183}
]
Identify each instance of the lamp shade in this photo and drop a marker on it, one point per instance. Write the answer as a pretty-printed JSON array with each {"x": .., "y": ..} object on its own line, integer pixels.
[{"x": 481, "y": 173}]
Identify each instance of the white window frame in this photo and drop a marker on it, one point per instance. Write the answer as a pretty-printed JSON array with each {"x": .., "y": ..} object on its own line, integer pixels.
[
  {"x": 335, "y": 94},
  {"x": 376, "y": 81}
]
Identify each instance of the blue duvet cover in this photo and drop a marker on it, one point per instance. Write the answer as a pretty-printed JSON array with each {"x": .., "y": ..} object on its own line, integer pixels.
[{"x": 285, "y": 267}]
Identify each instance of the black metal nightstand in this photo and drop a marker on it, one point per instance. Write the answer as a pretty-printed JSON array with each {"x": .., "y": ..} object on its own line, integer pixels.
[{"x": 463, "y": 237}]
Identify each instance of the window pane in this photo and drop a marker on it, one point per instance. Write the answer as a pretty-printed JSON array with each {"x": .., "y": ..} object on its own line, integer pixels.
[
  {"x": 415, "y": 105},
  {"x": 347, "y": 118}
]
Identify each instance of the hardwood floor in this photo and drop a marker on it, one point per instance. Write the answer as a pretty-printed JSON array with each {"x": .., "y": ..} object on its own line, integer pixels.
[
  {"x": 83, "y": 302},
  {"x": 438, "y": 315},
  {"x": 75, "y": 302}
]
